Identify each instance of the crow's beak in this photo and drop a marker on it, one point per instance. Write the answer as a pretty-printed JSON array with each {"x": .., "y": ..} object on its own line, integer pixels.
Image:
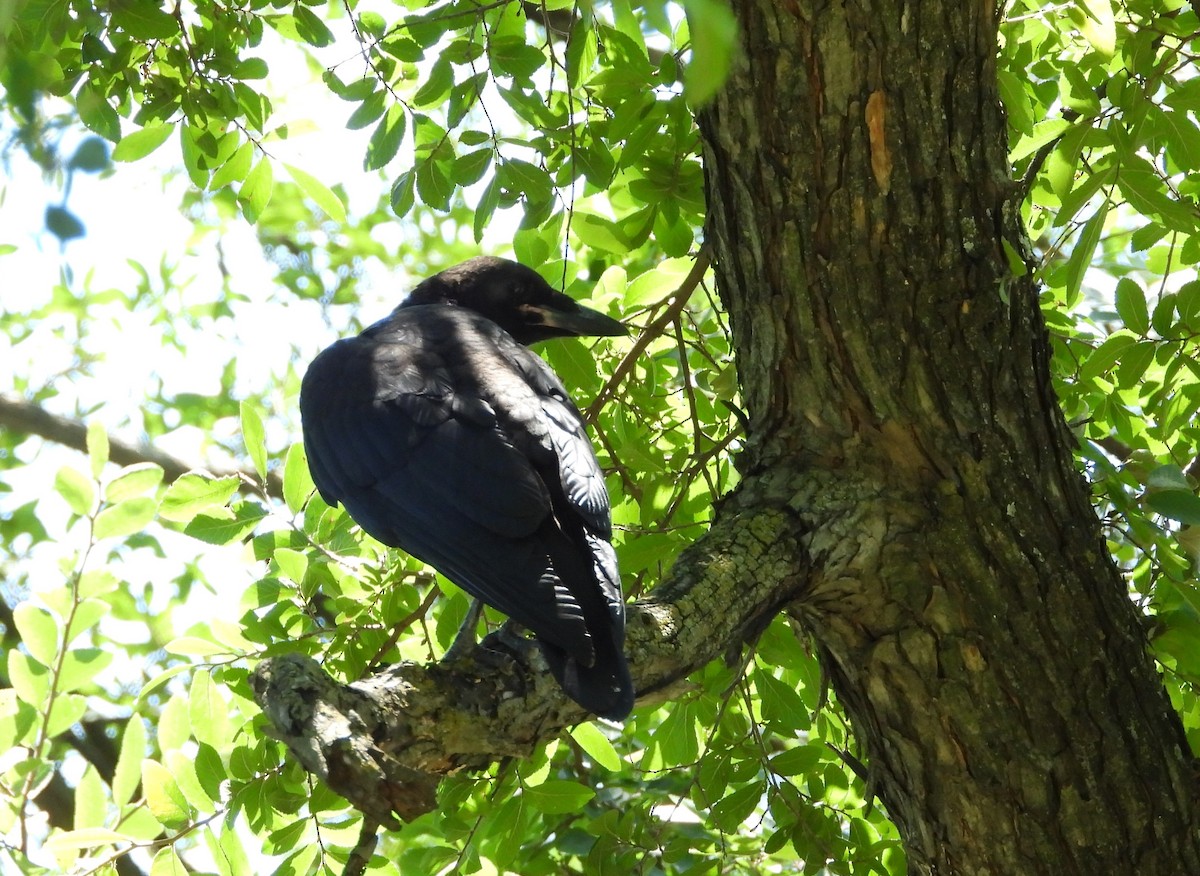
[{"x": 579, "y": 321}]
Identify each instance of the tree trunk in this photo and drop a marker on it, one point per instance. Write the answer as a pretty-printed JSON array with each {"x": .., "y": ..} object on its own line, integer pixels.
[{"x": 895, "y": 371}]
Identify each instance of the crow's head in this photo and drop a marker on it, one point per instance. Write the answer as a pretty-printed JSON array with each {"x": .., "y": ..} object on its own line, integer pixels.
[{"x": 514, "y": 297}]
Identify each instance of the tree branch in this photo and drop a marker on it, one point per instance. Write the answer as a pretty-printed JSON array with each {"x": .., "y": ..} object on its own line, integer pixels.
[
  {"x": 28, "y": 418},
  {"x": 384, "y": 742}
]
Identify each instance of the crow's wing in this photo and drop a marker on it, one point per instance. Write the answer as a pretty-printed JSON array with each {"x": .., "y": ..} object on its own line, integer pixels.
[{"x": 429, "y": 430}]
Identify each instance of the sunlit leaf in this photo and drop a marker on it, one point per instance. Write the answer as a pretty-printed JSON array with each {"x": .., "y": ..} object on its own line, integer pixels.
[
  {"x": 142, "y": 142},
  {"x": 127, "y": 773},
  {"x": 38, "y": 630},
  {"x": 195, "y": 492},
  {"x": 297, "y": 481},
  {"x": 596, "y": 744},
  {"x": 125, "y": 517},
  {"x": 556, "y": 797},
  {"x": 167, "y": 803},
  {"x": 254, "y": 437},
  {"x": 76, "y": 488},
  {"x": 714, "y": 34},
  {"x": 133, "y": 480},
  {"x": 97, "y": 447}
]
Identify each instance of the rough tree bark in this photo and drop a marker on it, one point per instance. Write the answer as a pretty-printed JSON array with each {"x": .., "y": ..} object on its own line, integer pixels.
[
  {"x": 910, "y": 492},
  {"x": 896, "y": 378}
]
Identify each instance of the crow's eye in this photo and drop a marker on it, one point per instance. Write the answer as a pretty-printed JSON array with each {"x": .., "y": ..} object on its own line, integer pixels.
[{"x": 532, "y": 315}]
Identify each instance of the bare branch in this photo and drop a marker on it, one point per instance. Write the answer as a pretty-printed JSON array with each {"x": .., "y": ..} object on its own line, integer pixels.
[
  {"x": 385, "y": 742},
  {"x": 31, "y": 419}
]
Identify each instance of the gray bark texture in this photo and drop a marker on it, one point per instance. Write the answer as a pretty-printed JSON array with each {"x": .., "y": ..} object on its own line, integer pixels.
[
  {"x": 896, "y": 377},
  {"x": 910, "y": 492}
]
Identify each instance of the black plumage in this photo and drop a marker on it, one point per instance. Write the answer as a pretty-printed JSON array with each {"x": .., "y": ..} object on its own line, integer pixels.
[{"x": 444, "y": 435}]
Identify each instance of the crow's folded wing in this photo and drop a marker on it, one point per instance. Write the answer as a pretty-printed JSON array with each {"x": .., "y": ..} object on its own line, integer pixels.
[{"x": 398, "y": 431}]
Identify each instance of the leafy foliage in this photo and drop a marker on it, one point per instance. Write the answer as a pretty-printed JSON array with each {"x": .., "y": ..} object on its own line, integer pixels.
[
  {"x": 130, "y": 619},
  {"x": 1105, "y": 136}
]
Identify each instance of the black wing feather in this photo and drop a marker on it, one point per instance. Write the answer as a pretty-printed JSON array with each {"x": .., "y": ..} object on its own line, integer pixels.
[{"x": 444, "y": 437}]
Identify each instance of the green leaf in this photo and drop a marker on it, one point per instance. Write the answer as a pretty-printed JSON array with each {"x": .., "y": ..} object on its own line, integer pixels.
[
  {"x": 511, "y": 56},
  {"x": 255, "y": 193},
  {"x": 371, "y": 108},
  {"x": 97, "y": 582},
  {"x": 779, "y": 701},
  {"x": 1181, "y": 505},
  {"x": 143, "y": 19},
  {"x": 174, "y": 724},
  {"x": 127, "y": 773},
  {"x": 324, "y": 197},
  {"x": 252, "y": 68},
  {"x": 81, "y": 665},
  {"x": 596, "y": 744},
  {"x": 134, "y": 480},
  {"x": 77, "y": 489},
  {"x": 310, "y": 28},
  {"x": 254, "y": 437},
  {"x": 1134, "y": 363},
  {"x": 158, "y": 681},
  {"x": 166, "y": 802},
  {"x": 194, "y": 161},
  {"x": 1043, "y": 133},
  {"x": 195, "y": 492},
  {"x": 386, "y": 139},
  {"x": 183, "y": 768},
  {"x": 798, "y": 761},
  {"x": 97, "y": 446},
  {"x": 95, "y": 112},
  {"x": 1106, "y": 355},
  {"x": 596, "y": 232},
  {"x": 436, "y": 86},
  {"x": 1098, "y": 25},
  {"x": 582, "y": 51},
  {"x": 67, "y": 711},
  {"x": 402, "y": 199},
  {"x": 470, "y": 168},
  {"x": 63, "y": 224},
  {"x": 38, "y": 630},
  {"x": 372, "y": 24},
  {"x": 486, "y": 208},
  {"x": 658, "y": 283},
  {"x": 210, "y": 770},
  {"x": 731, "y": 811},
  {"x": 433, "y": 185},
  {"x": 714, "y": 33},
  {"x": 235, "y": 168},
  {"x": 557, "y": 797},
  {"x": 88, "y": 612},
  {"x": 222, "y": 526},
  {"x": 297, "y": 481},
  {"x": 125, "y": 518},
  {"x": 355, "y": 92},
  {"x": 293, "y": 564},
  {"x": 1131, "y": 306},
  {"x": 527, "y": 178},
  {"x": 142, "y": 142},
  {"x": 168, "y": 863},
  {"x": 1181, "y": 138},
  {"x": 1082, "y": 254},
  {"x": 1016, "y": 101},
  {"x": 678, "y": 736},
  {"x": 91, "y": 156},
  {"x": 91, "y": 800},
  {"x": 1168, "y": 477},
  {"x": 208, "y": 712}
]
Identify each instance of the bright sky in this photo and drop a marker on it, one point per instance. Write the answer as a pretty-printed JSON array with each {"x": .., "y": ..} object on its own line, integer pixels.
[{"x": 132, "y": 212}]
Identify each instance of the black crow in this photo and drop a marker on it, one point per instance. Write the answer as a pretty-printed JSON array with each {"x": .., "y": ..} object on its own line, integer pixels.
[{"x": 444, "y": 435}]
